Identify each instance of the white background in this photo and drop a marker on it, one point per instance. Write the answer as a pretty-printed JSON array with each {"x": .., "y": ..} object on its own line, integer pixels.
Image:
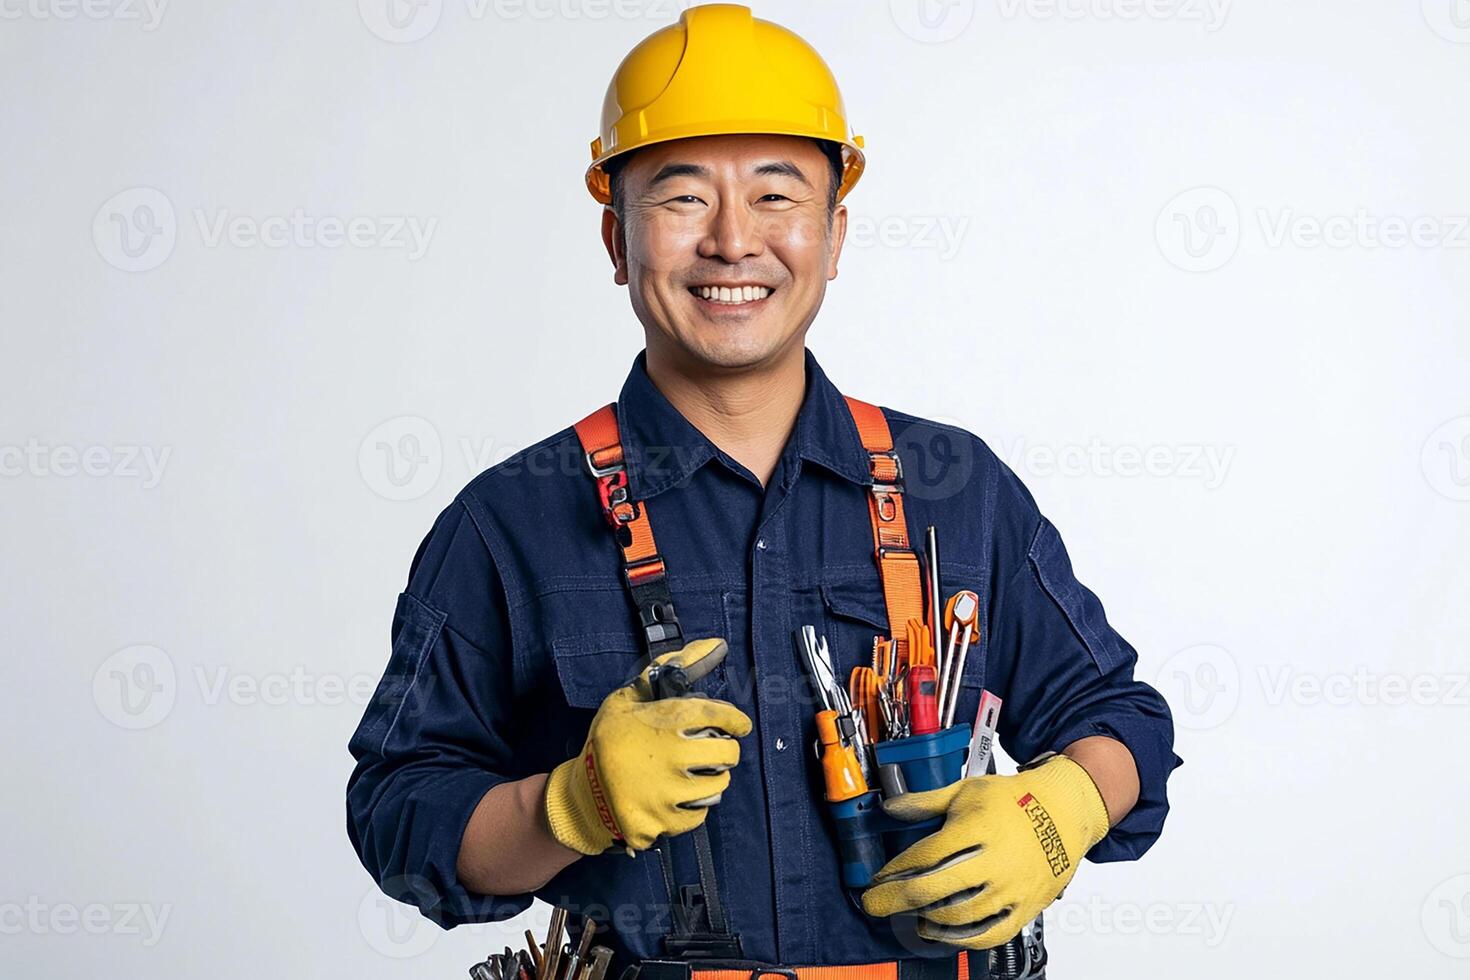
[{"x": 1130, "y": 194}]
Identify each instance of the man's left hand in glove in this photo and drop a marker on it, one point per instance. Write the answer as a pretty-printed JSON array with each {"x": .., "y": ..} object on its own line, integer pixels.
[{"x": 1008, "y": 847}]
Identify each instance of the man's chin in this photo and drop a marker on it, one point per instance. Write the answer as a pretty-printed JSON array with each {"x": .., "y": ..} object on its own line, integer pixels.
[{"x": 731, "y": 353}]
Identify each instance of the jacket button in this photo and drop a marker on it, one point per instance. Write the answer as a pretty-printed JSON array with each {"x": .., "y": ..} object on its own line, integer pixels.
[{"x": 760, "y": 544}]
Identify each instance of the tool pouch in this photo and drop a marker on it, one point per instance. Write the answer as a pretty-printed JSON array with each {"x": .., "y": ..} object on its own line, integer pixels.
[{"x": 868, "y": 838}]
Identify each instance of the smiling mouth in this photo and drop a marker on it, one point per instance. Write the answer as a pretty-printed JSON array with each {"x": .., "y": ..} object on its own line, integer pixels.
[{"x": 731, "y": 295}]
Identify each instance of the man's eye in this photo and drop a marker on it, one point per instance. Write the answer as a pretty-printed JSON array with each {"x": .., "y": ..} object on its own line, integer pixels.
[{"x": 777, "y": 197}]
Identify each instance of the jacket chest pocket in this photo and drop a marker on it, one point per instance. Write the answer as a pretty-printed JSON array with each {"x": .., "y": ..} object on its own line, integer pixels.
[{"x": 575, "y": 625}]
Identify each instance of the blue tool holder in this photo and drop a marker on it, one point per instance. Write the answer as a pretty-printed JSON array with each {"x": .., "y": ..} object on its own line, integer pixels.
[{"x": 866, "y": 836}]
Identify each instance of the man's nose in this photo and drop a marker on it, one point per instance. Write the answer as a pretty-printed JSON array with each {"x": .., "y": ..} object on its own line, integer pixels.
[{"x": 733, "y": 234}]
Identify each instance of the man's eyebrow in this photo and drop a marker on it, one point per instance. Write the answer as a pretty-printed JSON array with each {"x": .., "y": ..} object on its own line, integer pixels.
[
  {"x": 669, "y": 171},
  {"x": 782, "y": 168}
]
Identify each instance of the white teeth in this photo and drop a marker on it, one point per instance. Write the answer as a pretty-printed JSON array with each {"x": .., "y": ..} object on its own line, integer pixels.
[{"x": 737, "y": 294}]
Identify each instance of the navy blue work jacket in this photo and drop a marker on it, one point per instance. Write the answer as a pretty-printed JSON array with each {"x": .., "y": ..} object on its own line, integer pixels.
[{"x": 516, "y": 624}]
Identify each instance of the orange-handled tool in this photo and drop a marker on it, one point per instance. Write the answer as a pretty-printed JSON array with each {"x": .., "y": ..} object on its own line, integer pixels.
[
  {"x": 862, "y": 688},
  {"x": 840, "y": 770}
]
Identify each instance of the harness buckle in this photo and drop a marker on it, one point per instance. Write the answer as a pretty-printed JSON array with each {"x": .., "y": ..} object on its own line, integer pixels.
[
  {"x": 612, "y": 490},
  {"x": 894, "y": 485}
]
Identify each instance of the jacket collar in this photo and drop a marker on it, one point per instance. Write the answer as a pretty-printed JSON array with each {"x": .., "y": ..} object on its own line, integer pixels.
[{"x": 663, "y": 448}]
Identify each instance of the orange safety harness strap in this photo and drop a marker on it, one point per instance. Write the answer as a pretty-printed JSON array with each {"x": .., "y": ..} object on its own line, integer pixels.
[
  {"x": 643, "y": 567},
  {"x": 898, "y": 564}
]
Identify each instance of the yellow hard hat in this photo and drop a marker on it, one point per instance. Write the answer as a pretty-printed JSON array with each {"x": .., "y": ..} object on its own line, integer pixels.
[{"x": 720, "y": 70}]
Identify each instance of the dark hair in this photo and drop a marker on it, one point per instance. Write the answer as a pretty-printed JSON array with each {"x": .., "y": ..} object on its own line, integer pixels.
[{"x": 831, "y": 150}]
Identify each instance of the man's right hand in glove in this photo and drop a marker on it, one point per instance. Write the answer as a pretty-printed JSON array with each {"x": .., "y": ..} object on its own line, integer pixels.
[{"x": 649, "y": 767}]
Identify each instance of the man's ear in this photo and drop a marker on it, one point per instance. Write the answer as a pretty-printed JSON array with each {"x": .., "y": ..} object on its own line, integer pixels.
[
  {"x": 616, "y": 244},
  {"x": 839, "y": 235}
]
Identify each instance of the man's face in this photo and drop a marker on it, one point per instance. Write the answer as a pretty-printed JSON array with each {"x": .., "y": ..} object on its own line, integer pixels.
[{"x": 726, "y": 246}]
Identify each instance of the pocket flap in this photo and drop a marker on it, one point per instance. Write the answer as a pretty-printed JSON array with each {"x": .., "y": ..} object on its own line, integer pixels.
[
  {"x": 862, "y": 601},
  {"x": 590, "y": 666}
]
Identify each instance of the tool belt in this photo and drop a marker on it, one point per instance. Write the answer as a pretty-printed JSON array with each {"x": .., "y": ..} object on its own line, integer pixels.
[
  {"x": 948, "y": 968},
  {"x": 700, "y": 944}
]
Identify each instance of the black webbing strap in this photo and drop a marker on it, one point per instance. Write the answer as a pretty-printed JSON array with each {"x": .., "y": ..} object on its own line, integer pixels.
[{"x": 699, "y": 930}]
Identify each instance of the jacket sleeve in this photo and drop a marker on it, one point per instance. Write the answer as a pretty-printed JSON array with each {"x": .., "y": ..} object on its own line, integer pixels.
[
  {"x": 1064, "y": 673},
  {"x": 437, "y": 734}
]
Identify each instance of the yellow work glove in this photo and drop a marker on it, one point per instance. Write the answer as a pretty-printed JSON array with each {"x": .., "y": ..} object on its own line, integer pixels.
[
  {"x": 1008, "y": 847},
  {"x": 648, "y": 767}
]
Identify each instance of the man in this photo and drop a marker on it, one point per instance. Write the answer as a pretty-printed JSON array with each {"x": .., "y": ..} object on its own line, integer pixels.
[{"x": 506, "y": 753}]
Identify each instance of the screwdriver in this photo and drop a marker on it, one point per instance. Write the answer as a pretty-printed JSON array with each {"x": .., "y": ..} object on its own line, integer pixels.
[{"x": 841, "y": 772}]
